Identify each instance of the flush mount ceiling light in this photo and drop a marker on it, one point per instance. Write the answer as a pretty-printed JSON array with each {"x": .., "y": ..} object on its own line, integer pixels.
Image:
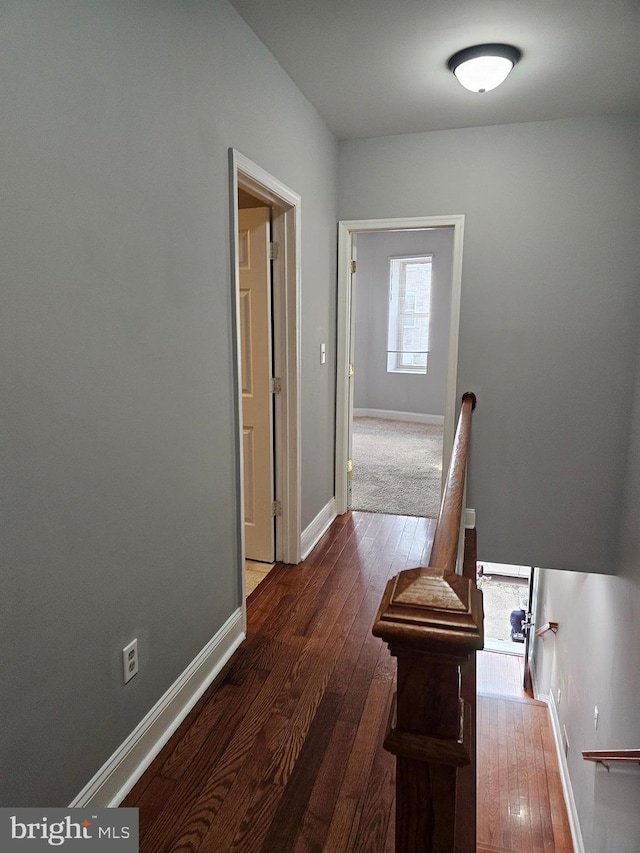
[{"x": 484, "y": 66}]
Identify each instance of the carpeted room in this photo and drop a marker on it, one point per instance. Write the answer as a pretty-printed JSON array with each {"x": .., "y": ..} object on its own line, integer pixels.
[{"x": 400, "y": 346}]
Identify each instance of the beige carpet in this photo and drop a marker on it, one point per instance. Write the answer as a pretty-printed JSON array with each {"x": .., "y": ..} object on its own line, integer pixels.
[{"x": 397, "y": 467}]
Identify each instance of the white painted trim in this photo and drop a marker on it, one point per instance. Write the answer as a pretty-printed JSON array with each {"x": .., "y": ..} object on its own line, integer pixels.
[
  {"x": 285, "y": 204},
  {"x": 543, "y": 697},
  {"x": 567, "y": 789},
  {"x": 409, "y": 417},
  {"x": 119, "y": 774},
  {"x": 312, "y": 534},
  {"x": 346, "y": 230}
]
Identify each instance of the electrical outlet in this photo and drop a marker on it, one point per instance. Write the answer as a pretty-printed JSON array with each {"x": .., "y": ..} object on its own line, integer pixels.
[
  {"x": 130, "y": 660},
  {"x": 596, "y": 714},
  {"x": 558, "y": 695}
]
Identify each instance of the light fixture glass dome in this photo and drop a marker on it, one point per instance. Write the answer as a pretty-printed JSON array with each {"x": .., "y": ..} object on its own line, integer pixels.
[{"x": 485, "y": 66}]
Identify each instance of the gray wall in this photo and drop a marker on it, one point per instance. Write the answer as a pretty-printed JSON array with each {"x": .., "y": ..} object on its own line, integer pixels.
[
  {"x": 595, "y": 660},
  {"x": 374, "y": 387},
  {"x": 119, "y": 482},
  {"x": 549, "y": 315}
]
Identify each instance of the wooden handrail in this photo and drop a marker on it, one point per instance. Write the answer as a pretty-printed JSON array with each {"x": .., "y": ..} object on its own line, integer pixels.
[
  {"x": 445, "y": 542},
  {"x": 432, "y": 620},
  {"x": 548, "y": 626},
  {"x": 605, "y": 756}
]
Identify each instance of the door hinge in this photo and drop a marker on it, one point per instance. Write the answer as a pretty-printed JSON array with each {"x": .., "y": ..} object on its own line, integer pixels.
[
  {"x": 353, "y": 266},
  {"x": 349, "y": 468},
  {"x": 276, "y": 508},
  {"x": 274, "y": 250},
  {"x": 351, "y": 370},
  {"x": 275, "y": 385}
]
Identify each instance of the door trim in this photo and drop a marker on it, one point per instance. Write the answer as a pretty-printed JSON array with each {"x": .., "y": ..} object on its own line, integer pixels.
[
  {"x": 285, "y": 206},
  {"x": 346, "y": 230}
]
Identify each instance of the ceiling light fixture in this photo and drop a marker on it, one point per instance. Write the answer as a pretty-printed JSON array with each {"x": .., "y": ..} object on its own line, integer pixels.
[{"x": 484, "y": 66}]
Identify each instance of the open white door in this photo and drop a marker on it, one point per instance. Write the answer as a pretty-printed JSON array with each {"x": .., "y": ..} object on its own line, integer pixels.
[
  {"x": 284, "y": 206},
  {"x": 255, "y": 363}
]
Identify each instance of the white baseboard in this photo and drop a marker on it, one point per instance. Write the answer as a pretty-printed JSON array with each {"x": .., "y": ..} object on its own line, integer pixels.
[
  {"x": 119, "y": 774},
  {"x": 567, "y": 789},
  {"x": 411, "y": 417},
  {"x": 319, "y": 526}
]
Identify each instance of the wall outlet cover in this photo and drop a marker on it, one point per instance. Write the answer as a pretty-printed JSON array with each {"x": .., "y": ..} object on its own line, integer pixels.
[{"x": 130, "y": 660}]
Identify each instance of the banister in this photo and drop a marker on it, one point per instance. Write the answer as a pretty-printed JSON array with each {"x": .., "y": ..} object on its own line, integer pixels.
[
  {"x": 432, "y": 620},
  {"x": 548, "y": 626},
  {"x": 445, "y": 542},
  {"x": 609, "y": 756}
]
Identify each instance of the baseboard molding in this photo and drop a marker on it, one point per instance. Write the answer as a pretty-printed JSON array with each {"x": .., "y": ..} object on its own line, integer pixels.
[
  {"x": 387, "y": 414},
  {"x": 119, "y": 774},
  {"x": 567, "y": 788},
  {"x": 319, "y": 526}
]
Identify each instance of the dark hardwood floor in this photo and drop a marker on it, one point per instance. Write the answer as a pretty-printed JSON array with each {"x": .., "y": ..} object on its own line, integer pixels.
[{"x": 283, "y": 752}]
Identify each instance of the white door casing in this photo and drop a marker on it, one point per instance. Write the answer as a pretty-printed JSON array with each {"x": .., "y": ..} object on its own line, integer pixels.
[
  {"x": 353, "y": 295},
  {"x": 255, "y": 377},
  {"x": 286, "y": 232},
  {"x": 346, "y": 231}
]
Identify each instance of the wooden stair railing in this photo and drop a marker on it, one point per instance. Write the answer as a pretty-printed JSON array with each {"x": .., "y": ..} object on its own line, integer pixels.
[
  {"x": 548, "y": 626},
  {"x": 431, "y": 619},
  {"x": 610, "y": 756}
]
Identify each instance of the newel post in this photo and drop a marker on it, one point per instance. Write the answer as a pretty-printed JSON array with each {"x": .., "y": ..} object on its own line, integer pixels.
[{"x": 432, "y": 622}]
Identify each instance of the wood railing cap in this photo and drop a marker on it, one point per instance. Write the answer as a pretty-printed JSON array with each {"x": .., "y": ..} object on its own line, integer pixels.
[
  {"x": 604, "y": 755},
  {"x": 427, "y": 611},
  {"x": 469, "y": 395}
]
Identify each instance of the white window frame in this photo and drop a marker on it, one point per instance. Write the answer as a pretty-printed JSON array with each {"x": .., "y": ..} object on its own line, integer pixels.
[{"x": 394, "y": 317}]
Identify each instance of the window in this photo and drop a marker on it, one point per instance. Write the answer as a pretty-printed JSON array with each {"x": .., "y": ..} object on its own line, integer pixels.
[{"x": 409, "y": 314}]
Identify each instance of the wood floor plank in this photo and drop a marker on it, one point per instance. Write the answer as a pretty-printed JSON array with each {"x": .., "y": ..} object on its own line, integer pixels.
[
  {"x": 349, "y": 802},
  {"x": 219, "y": 714},
  {"x": 200, "y": 793},
  {"x": 313, "y": 829},
  {"x": 151, "y": 801},
  {"x": 283, "y": 828},
  {"x": 536, "y": 787},
  {"x": 248, "y": 801},
  {"x": 283, "y": 753},
  {"x": 504, "y": 834},
  {"x": 378, "y": 800}
]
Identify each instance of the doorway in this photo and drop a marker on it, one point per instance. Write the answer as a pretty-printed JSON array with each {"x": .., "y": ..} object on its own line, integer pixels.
[
  {"x": 509, "y": 599},
  {"x": 505, "y": 591},
  {"x": 351, "y": 237},
  {"x": 253, "y": 187},
  {"x": 400, "y": 296}
]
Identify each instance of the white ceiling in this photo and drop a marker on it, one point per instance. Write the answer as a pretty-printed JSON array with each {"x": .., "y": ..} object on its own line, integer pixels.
[{"x": 378, "y": 67}]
